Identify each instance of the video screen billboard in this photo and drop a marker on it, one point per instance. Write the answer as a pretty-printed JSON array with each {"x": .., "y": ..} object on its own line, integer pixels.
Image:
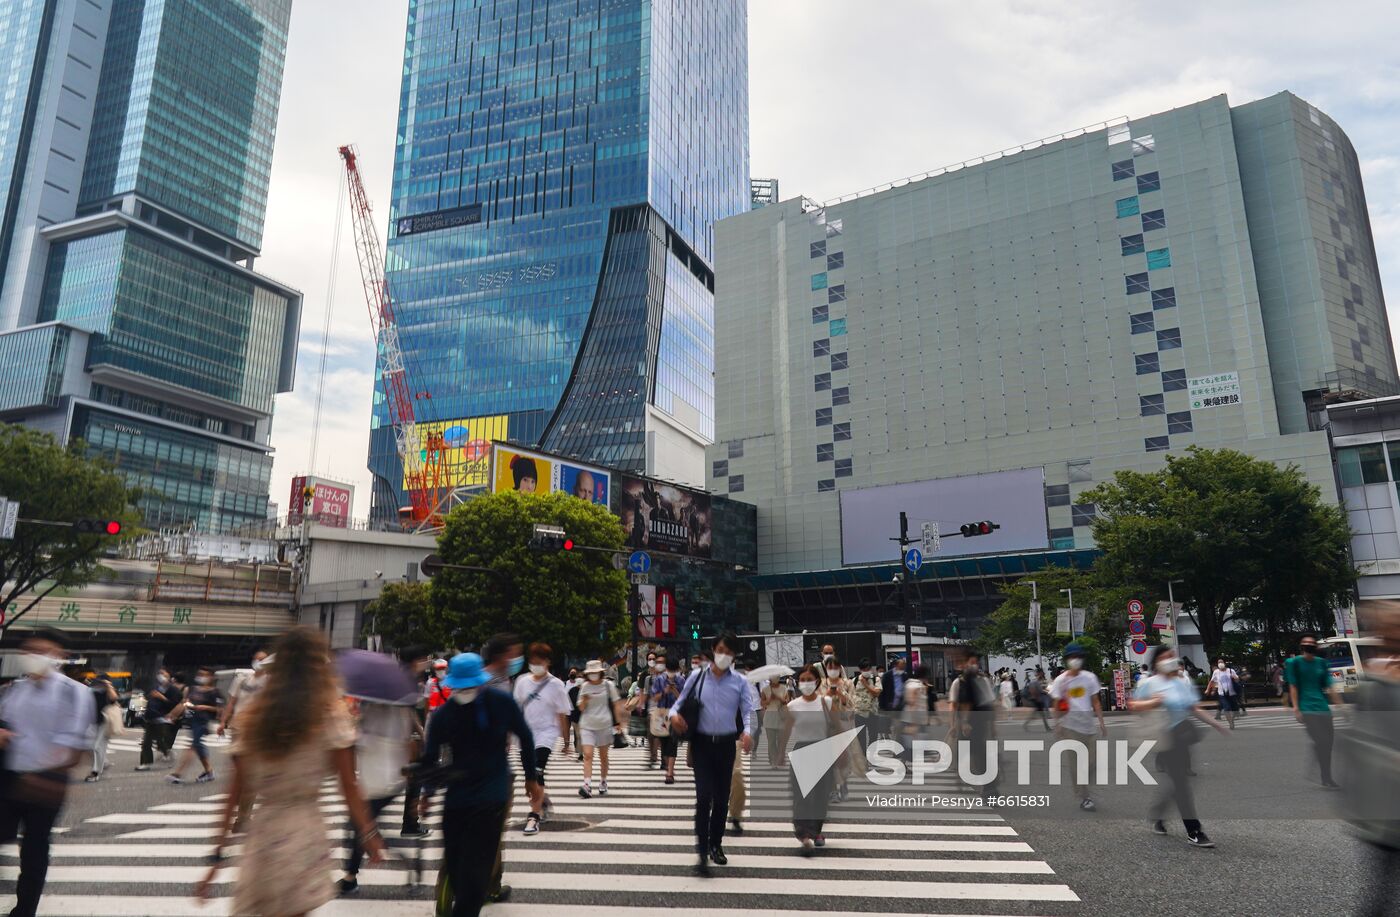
[
  {"x": 1013, "y": 499},
  {"x": 466, "y": 447},
  {"x": 663, "y": 517},
  {"x": 530, "y": 472}
]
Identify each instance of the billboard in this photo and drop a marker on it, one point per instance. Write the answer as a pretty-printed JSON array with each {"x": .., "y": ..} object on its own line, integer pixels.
[
  {"x": 1013, "y": 499},
  {"x": 532, "y": 473},
  {"x": 331, "y": 502},
  {"x": 663, "y": 517},
  {"x": 656, "y": 614},
  {"x": 466, "y": 456}
]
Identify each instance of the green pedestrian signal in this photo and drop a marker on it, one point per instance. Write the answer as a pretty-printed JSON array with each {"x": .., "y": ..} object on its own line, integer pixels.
[
  {"x": 952, "y": 625},
  {"x": 695, "y": 628}
]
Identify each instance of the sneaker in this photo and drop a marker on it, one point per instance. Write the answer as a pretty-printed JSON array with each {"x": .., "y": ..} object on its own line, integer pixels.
[
  {"x": 819, "y": 840},
  {"x": 548, "y": 812},
  {"x": 1087, "y": 804},
  {"x": 500, "y": 895},
  {"x": 92, "y": 778},
  {"x": 807, "y": 844},
  {"x": 347, "y": 887},
  {"x": 669, "y": 780},
  {"x": 419, "y": 832},
  {"x": 1199, "y": 839},
  {"x": 171, "y": 778},
  {"x": 603, "y": 788},
  {"x": 143, "y": 767},
  {"x": 206, "y": 777},
  {"x": 1331, "y": 785},
  {"x": 1159, "y": 827},
  {"x": 585, "y": 792},
  {"x": 532, "y": 824}
]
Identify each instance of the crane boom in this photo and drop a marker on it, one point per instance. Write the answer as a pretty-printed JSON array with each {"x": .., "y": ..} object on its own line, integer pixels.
[{"x": 418, "y": 473}]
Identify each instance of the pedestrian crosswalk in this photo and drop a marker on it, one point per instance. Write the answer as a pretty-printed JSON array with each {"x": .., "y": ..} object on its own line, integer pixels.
[{"x": 627, "y": 853}]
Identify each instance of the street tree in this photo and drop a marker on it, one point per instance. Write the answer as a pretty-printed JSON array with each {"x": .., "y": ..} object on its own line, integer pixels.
[
  {"x": 1105, "y": 603},
  {"x": 54, "y": 484},
  {"x": 403, "y": 615},
  {"x": 1245, "y": 536},
  {"x": 573, "y": 600}
]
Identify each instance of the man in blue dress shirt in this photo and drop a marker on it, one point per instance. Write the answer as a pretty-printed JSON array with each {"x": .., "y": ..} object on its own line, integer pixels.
[{"x": 727, "y": 705}]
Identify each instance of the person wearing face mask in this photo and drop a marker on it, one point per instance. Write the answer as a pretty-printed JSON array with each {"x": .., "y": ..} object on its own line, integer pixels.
[
  {"x": 158, "y": 734},
  {"x": 892, "y": 687},
  {"x": 1172, "y": 693},
  {"x": 1077, "y": 690},
  {"x": 773, "y": 699},
  {"x": 973, "y": 703},
  {"x": 203, "y": 701},
  {"x": 46, "y": 720},
  {"x": 810, "y": 718},
  {"x": 865, "y": 702},
  {"x": 503, "y": 658},
  {"x": 1225, "y": 684},
  {"x": 544, "y": 701},
  {"x": 727, "y": 705},
  {"x": 600, "y": 717},
  {"x": 1312, "y": 690},
  {"x": 838, "y": 687},
  {"x": 665, "y": 688},
  {"x": 245, "y": 687}
]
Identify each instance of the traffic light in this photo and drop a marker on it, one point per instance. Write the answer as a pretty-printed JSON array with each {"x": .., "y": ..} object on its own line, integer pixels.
[
  {"x": 952, "y": 625},
  {"x": 973, "y": 529},
  {"x": 550, "y": 538},
  {"x": 694, "y": 628},
  {"x": 98, "y": 527}
]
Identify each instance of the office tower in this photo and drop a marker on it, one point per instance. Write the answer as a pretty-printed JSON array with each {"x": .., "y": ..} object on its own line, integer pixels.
[
  {"x": 559, "y": 167},
  {"x": 991, "y": 340},
  {"x": 134, "y": 161}
]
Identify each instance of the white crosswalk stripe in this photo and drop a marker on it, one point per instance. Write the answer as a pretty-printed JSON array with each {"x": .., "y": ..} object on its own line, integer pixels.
[{"x": 623, "y": 855}]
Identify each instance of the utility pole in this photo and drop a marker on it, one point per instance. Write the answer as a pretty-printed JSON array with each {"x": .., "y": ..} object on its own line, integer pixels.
[
  {"x": 1035, "y": 605},
  {"x": 904, "y": 596}
]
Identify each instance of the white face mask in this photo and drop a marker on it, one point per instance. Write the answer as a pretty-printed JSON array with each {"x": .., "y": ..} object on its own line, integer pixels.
[
  {"x": 826, "y": 657},
  {"x": 204, "y": 681},
  {"x": 257, "y": 664},
  {"x": 1220, "y": 666},
  {"x": 833, "y": 673},
  {"x": 723, "y": 661},
  {"x": 38, "y": 663},
  {"x": 595, "y": 677},
  {"x": 1168, "y": 666},
  {"x": 1075, "y": 664},
  {"x": 465, "y": 695},
  {"x": 807, "y": 687},
  {"x": 538, "y": 669},
  {"x": 659, "y": 667}
]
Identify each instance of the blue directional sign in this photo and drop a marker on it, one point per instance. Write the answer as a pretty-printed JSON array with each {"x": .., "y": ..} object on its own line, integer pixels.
[
  {"x": 913, "y": 560},
  {"x": 639, "y": 562}
]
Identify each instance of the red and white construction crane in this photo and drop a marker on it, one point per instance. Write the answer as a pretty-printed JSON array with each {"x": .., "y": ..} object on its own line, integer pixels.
[{"x": 422, "y": 466}]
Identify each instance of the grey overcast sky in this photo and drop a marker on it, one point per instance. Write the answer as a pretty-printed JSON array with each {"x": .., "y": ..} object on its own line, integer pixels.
[{"x": 844, "y": 95}]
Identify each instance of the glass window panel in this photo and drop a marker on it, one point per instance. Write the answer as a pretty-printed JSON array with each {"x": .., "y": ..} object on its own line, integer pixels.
[
  {"x": 1136, "y": 283},
  {"x": 825, "y": 485},
  {"x": 736, "y": 484},
  {"x": 1159, "y": 258},
  {"x": 1141, "y": 323},
  {"x": 1372, "y": 464},
  {"x": 1152, "y": 404},
  {"x": 1148, "y": 182},
  {"x": 836, "y": 293},
  {"x": 1123, "y": 169},
  {"x": 1146, "y": 363},
  {"x": 1164, "y": 298},
  {"x": 819, "y": 249},
  {"x": 1168, "y": 338},
  {"x": 838, "y": 327},
  {"x": 826, "y": 452},
  {"x": 1154, "y": 219},
  {"x": 819, "y": 281},
  {"x": 1127, "y": 207},
  {"x": 835, "y": 261},
  {"x": 1132, "y": 245},
  {"x": 819, "y": 314},
  {"x": 1156, "y": 443},
  {"x": 1179, "y": 422},
  {"x": 1174, "y": 380},
  {"x": 843, "y": 468},
  {"x": 823, "y": 417}
]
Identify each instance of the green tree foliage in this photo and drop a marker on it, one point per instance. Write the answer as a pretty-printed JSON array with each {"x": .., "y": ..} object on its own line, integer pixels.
[
  {"x": 573, "y": 600},
  {"x": 1105, "y": 605},
  {"x": 55, "y": 484},
  {"x": 1247, "y": 537},
  {"x": 403, "y": 616}
]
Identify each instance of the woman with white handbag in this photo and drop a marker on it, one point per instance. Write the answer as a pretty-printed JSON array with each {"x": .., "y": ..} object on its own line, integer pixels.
[
  {"x": 665, "y": 689},
  {"x": 108, "y": 724}
]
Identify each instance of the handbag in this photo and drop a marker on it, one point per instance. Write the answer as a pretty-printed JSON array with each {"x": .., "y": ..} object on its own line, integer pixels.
[
  {"x": 660, "y": 725},
  {"x": 690, "y": 707},
  {"x": 112, "y": 720}
]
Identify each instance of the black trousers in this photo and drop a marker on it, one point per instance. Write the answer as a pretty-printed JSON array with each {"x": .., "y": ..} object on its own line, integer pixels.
[
  {"x": 161, "y": 735},
  {"x": 1175, "y": 760},
  {"x": 411, "y": 791},
  {"x": 1319, "y": 726},
  {"x": 542, "y": 761},
  {"x": 471, "y": 841},
  {"x": 712, "y": 758},
  {"x": 357, "y": 852},
  {"x": 37, "y": 822}
]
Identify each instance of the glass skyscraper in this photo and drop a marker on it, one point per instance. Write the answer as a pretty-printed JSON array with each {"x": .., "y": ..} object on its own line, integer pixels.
[
  {"x": 134, "y": 158},
  {"x": 559, "y": 167}
]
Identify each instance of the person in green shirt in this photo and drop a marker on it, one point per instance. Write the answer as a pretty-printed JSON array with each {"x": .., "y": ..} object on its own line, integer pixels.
[{"x": 1309, "y": 686}]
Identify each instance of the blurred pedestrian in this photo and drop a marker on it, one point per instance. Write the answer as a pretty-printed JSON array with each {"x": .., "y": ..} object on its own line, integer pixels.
[
  {"x": 1038, "y": 696},
  {"x": 1006, "y": 692},
  {"x": 1312, "y": 690},
  {"x": 1225, "y": 685},
  {"x": 1171, "y": 692},
  {"x": 1077, "y": 689},
  {"x": 244, "y": 688},
  {"x": 809, "y": 718},
  {"x": 202, "y": 703},
  {"x": 502, "y": 659},
  {"x": 159, "y": 732},
  {"x": 727, "y": 703},
  {"x": 892, "y": 688},
  {"x": 865, "y": 702},
  {"x": 416, "y": 660},
  {"x": 839, "y": 688},
  {"x": 294, "y": 733},
  {"x": 435, "y": 691},
  {"x": 973, "y": 702},
  {"x": 107, "y": 725},
  {"x": 773, "y": 699},
  {"x": 544, "y": 701},
  {"x": 665, "y": 689},
  {"x": 384, "y": 744},
  {"x": 45, "y": 727},
  {"x": 476, "y": 727}
]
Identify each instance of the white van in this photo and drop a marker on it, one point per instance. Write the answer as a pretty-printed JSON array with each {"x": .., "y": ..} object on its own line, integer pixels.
[{"x": 1347, "y": 657}]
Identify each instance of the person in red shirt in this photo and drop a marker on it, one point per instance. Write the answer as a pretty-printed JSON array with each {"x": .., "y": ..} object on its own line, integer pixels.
[{"x": 437, "y": 691}]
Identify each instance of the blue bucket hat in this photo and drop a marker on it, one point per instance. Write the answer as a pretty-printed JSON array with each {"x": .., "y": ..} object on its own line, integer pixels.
[
  {"x": 465, "y": 671},
  {"x": 1074, "y": 649}
]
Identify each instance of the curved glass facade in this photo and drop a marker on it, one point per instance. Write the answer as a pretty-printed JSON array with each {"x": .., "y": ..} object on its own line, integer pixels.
[{"x": 551, "y": 156}]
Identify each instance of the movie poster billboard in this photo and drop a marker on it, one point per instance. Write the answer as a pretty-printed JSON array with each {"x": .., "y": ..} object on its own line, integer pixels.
[
  {"x": 663, "y": 517},
  {"x": 531, "y": 473},
  {"x": 466, "y": 447}
]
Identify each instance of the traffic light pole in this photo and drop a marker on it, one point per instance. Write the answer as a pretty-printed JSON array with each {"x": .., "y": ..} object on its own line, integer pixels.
[{"x": 904, "y": 597}]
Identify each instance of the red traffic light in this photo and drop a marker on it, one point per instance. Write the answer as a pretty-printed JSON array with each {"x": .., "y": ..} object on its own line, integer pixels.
[
  {"x": 985, "y": 527},
  {"x": 98, "y": 527},
  {"x": 114, "y": 527},
  {"x": 568, "y": 544}
]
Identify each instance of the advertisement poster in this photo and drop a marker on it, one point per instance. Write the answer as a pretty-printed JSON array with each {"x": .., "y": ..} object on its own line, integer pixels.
[
  {"x": 664, "y": 517},
  {"x": 330, "y": 502},
  {"x": 584, "y": 483},
  {"x": 656, "y": 616},
  {"x": 466, "y": 447},
  {"x": 522, "y": 471}
]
